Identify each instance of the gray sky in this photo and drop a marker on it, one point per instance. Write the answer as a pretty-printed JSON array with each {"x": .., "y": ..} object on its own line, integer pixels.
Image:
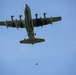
[{"x": 55, "y": 56}]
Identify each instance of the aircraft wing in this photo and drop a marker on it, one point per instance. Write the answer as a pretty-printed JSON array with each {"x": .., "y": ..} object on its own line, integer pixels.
[
  {"x": 45, "y": 21},
  {"x": 14, "y": 24}
]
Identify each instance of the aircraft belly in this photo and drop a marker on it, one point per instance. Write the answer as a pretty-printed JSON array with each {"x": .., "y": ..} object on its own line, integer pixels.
[
  {"x": 29, "y": 28},
  {"x": 28, "y": 22}
]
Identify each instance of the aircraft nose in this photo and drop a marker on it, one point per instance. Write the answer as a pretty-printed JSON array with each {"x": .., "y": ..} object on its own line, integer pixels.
[{"x": 26, "y": 5}]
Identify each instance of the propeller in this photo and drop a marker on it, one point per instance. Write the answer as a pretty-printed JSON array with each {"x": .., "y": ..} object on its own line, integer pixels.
[
  {"x": 20, "y": 17},
  {"x": 12, "y": 17},
  {"x": 21, "y": 24},
  {"x": 13, "y": 25},
  {"x": 36, "y": 16},
  {"x": 44, "y": 15}
]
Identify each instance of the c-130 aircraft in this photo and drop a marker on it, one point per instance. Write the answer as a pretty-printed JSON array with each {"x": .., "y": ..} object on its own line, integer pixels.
[{"x": 29, "y": 24}]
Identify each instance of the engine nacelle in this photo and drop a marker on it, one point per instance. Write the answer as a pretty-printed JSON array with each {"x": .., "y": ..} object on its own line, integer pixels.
[
  {"x": 20, "y": 17},
  {"x": 36, "y": 15},
  {"x": 45, "y": 15},
  {"x": 12, "y": 18},
  {"x": 13, "y": 25},
  {"x": 21, "y": 24}
]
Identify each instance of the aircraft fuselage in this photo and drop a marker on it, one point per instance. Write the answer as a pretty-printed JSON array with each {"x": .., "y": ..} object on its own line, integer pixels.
[
  {"x": 28, "y": 22},
  {"x": 29, "y": 28}
]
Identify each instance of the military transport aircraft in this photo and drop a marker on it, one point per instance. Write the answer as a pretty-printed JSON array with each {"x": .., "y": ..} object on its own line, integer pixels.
[{"x": 29, "y": 24}]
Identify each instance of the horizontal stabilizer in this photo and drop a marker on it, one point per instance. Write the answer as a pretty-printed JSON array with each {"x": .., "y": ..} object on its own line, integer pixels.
[{"x": 32, "y": 41}]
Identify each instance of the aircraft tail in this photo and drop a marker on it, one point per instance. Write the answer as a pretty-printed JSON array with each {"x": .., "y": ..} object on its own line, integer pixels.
[{"x": 32, "y": 41}]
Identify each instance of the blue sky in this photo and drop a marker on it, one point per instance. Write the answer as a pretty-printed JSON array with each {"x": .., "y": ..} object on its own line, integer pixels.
[{"x": 55, "y": 56}]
